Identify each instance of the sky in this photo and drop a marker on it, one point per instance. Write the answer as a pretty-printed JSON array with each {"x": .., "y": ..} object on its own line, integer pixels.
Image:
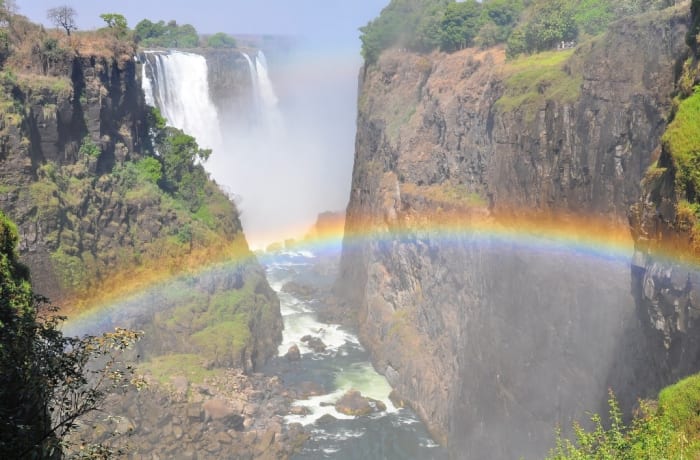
[{"x": 334, "y": 21}]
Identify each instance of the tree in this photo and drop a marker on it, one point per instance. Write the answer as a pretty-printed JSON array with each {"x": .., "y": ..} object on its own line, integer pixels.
[
  {"x": 114, "y": 20},
  {"x": 221, "y": 40},
  {"x": 63, "y": 16},
  {"x": 182, "y": 175},
  {"x": 553, "y": 22},
  {"x": 460, "y": 25},
  {"x": 48, "y": 381},
  {"x": 8, "y": 9}
]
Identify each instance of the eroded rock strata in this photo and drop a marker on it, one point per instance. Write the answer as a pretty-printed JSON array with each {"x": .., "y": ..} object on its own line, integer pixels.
[{"x": 492, "y": 342}]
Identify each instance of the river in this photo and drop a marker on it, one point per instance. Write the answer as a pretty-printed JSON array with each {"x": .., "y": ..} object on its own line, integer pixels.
[{"x": 396, "y": 433}]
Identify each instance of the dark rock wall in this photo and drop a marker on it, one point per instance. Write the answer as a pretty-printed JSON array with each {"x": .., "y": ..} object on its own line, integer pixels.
[
  {"x": 494, "y": 346},
  {"x": 102, "y": 101}
]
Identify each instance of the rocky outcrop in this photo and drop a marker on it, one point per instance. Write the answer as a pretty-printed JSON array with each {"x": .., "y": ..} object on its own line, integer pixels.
[
  {"x": 231, "y": 416},
  {"x": 98, "y": 100},
  {"x": 493, "y": 344}
]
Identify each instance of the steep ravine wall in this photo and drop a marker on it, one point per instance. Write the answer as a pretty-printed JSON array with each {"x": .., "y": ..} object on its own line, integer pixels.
[
  {"x": 91, "y": 226},
  {"x": 494, "y": 346}
]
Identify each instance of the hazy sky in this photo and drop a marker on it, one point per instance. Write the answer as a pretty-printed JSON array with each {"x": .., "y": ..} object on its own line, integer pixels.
[{"x": 335, "y": 20}]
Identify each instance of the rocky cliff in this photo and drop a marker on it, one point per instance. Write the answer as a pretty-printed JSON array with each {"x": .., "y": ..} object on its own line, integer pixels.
[
  {"x": 664, "y": 221},
  {"x": 496, "y": 344},
  {"x": 99, "y": 217}
]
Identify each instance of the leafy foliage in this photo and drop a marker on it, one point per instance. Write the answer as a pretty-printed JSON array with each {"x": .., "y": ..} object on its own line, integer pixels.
[
  {"x": 527, "y": 26},
  {"x": 89, "y": 148},
  {"x": 221, "y": 40},
  {"x": 650, "y": 437},
  {"x": 170, "y": 35},
  {"x": 397, "y": 24},
  {"x": 460, "y": 24},
  {"x": 116, "y": 23},
  {"x": 114, "y": 20},
  {"x": 48, "y": 381},
  {"x": 668, "y": 430},
  {"x": 182, "y": 175}
]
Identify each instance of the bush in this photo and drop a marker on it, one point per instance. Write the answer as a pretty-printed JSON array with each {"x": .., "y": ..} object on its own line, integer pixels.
[
  {"x": 150, "y": 170},
  {"x": 89, "y": 148},
  {"x": 650, "y": 436},
  {"x": 221, "y": 40}
]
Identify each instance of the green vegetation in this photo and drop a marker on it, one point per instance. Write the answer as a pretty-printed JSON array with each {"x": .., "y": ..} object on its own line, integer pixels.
[
  {"x": 190, "y": 365},
  {"x": 170, "y": 35},
  {"x": 117, "y": 24},
  {"x": 668, "y": 430},
  {"x": 532, "y": 80},
  {"x": 48, "y": 382},
  {"x": 526, "y": 26},
  {"x": 682, "y": 141},
  {"x": 221, "y": 40},
  {"x": 89, "y": 148},
  {"x": 457, "y": 195}
]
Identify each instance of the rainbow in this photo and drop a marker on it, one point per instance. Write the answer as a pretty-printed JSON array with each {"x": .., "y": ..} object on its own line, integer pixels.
[{"x": 585, "y": 237}]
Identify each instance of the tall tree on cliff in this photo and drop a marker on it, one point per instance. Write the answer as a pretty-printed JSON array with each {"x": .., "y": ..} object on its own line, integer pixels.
[{"x": 63, "y": 16}]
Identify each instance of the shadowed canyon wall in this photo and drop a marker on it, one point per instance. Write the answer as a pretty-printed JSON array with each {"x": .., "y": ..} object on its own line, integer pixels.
[{"x": 495, "y": 343}]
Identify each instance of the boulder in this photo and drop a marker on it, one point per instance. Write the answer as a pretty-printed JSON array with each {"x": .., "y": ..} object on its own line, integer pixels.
[
  {"x": 314, "y": 343},
  {"x": 216, "y": 409},
  {"x": 308, "y": 389},
  {"x": 293, "y": 353},
  {"x": 325, "y": 419},
  {"x": 353, "y": 403}
]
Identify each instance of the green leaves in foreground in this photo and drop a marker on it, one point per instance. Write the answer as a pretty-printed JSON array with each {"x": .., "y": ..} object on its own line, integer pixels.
[{"x": 651, "y": 435}]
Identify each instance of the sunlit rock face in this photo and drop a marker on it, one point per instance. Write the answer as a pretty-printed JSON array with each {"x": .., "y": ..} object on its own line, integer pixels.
[{"x": 495, "y": 341}]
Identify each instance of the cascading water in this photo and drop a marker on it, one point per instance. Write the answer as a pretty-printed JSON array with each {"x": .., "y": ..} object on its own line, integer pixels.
[
  {"x": 262, "y": 162},
  {"x": 254, "y": 82},
  {"x": 265, "y": 99},
  {"x": 180, "y": 89}
]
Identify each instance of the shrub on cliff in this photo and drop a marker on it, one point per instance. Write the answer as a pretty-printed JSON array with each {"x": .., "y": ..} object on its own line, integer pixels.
[{"x": 668, "y": 430}]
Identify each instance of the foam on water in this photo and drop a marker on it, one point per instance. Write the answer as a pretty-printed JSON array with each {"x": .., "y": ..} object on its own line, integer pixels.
[{"x": 363, "y": 377}]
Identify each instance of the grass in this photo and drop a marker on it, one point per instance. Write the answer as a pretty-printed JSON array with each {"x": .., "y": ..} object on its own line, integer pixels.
[
  {"x": 531, "y": 81},
  {"x": 224, "y": 341},
  {"x": 446, "y": 193},
  {"x": 680, "y": 403},
  {"x": 61, "y": 87},
  {"x": 189, "y": 365},
  {"x": 682, "y": 141}
]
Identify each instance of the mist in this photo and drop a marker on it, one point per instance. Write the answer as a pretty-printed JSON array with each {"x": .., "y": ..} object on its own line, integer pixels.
[{"x": 293, "y": 159}]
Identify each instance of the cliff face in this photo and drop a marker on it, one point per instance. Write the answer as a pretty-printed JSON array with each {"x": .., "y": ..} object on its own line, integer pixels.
[
  {"x": 495, "y": 345},
  {"x": 93, "y": 219},
  {"x": 96, "y": 100}
]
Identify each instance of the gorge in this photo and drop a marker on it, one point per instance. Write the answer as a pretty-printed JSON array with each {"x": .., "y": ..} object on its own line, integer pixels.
[{"x": 519, "y": 240}]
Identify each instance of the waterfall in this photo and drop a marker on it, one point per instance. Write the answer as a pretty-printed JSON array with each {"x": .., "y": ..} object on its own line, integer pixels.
[
  {"x": 179, "y": 87},
  {"x": 267, "y": 92},
  {"x": 253, "y": 156},
  {"x": 254, "y": 82}
]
